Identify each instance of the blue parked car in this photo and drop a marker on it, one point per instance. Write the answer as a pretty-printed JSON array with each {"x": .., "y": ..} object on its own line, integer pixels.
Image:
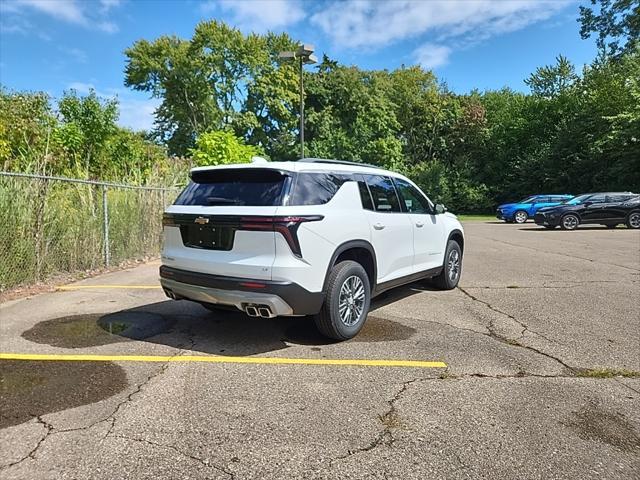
[{"x": 519, "y": 212}]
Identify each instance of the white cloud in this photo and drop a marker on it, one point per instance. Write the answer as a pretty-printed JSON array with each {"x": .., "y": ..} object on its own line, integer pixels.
[
  {"x": 67, "y": 10},
  {"x": 374, "y": 24},
  {"x": 259, "y": 16},
  {"x": 135, "y": 113},
  {"x": 431, "y": 55},
  {"x": 108, "y": 27},
  {"x": 71, "y": 11},
  {"x": 76, "y": 53},
  {"x": 138, "y": 114},
  {"x": 109, "y": 4}
]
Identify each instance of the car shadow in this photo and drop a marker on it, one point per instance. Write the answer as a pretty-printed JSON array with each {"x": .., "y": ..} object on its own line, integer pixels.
[
  {"x": 187, "y": 325},
  {"x": 558, "y": 229}
]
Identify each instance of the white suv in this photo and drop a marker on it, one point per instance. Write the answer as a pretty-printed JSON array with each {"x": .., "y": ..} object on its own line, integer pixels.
[{"x": 312, "y": 237}]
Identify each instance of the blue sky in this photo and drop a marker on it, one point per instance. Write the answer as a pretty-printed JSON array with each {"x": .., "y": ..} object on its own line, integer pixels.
[{"x": 54, "y": 45}]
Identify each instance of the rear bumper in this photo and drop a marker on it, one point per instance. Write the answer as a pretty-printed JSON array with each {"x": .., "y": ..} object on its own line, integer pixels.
[{"x": 283, "y": 298}]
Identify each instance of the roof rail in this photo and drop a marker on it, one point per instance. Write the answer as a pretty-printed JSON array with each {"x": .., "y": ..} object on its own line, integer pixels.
[{"x": 339, "y": 162}]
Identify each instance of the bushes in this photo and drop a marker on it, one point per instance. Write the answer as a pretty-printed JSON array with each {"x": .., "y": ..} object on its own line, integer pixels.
[{"x": 221, "y": 148}]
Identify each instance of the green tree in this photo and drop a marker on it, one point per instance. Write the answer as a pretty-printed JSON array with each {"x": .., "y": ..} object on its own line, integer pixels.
[
  {"x": 615, "y": 22},
  {"x": 221, "y": 148},
  {"x": 218, "y": 79},
  {"x": 26, "y": 127},
  {"x": 87, "y": 124},
  {"x": 350, "y": 117},
  {"x": 553, "y": 80}
]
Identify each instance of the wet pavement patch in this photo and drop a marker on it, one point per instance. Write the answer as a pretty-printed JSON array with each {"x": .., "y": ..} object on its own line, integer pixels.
[
  {"x": 31, "y": 389},
  {"x": 383, "y": 330},
  {"x": 593, "y": 423},
  {"x": 79, "y": 331},
  {"x": 304, "y": 332}
]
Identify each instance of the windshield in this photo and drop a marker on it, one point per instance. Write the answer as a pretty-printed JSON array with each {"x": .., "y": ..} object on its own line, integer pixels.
[
  {"x": 528, "y": 200},
  {"x": 577, "y": 200}
]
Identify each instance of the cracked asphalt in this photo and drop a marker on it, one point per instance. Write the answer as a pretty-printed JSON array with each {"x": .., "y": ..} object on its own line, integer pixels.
[{"x": 541, "y": 342}]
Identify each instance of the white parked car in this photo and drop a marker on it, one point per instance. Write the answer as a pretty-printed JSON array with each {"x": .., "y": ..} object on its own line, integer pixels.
[{"x": 312, "y": 237}]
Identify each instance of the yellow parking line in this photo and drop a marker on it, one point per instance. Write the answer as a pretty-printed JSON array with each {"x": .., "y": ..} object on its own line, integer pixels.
[
  {"x": 86, "y": 287},
  {"x": 221, "y": 359}
]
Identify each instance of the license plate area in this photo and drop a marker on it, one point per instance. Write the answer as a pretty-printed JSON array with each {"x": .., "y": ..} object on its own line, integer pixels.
[{"x": 208, "y": 237}]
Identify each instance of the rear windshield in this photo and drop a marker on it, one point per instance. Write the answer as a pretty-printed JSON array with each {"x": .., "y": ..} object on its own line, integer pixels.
[{"x": 252, "y": 187}]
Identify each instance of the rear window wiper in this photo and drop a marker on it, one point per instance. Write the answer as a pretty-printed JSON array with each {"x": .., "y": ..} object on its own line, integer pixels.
[{"x": 222, "y": 201}]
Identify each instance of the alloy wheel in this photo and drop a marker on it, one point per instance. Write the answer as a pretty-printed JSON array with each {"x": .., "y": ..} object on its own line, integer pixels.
[
  {"x": 634, "y": 220},
  {"x": 453, "y": 265},
  {"x": 570, "y": 222},
  {"x": 520, "y": 217},
  {"x": 351, "y": 301}
]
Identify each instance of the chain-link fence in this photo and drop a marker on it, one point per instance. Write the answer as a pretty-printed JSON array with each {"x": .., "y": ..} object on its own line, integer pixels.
[{"x": 51, "y": 225}]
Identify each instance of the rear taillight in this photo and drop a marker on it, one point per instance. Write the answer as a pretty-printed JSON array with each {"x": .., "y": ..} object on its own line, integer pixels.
[{"x": 286, "y": 225}]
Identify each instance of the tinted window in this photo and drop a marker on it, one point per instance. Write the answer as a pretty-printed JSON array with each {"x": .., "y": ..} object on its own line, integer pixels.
[
  {"x": 365, "y": 196},
  {"x": 316, "y": 188},
  {"x": 618, "y": 198},
  {"x": 413, "y": 200},
  {"x": 254, "y": 187},
  {"x": 383, "y": 193},
  {"x": 579, "y": 199},
  {"x": 597, "y": 199}
]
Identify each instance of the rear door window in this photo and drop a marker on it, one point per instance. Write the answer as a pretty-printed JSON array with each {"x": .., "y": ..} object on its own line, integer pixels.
[
  {"x": 383, "y": 194},
  {"x": 316, "y": 188},
  {"x": 617, "y": 198},
  {"x": 597, "y": 199},
  {"x": 252, "y": 187},
  {"x": 365, "y": 195}
]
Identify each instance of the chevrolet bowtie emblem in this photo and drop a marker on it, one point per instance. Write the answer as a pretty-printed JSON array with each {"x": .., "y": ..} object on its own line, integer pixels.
[{"x": 201, "y": 220}]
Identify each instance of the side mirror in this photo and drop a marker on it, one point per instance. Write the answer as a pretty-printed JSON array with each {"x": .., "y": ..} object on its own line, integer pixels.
[
  {"x": 440, "y": 209},
  {"x": 586, "y": 204}
]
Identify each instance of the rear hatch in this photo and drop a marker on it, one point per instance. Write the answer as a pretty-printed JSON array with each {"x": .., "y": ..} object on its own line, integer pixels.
[{"x": 222, "y": 222}]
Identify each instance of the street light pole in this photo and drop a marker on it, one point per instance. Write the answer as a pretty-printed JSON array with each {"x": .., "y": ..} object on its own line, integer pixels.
[
  {"x": 301, "y": 109},
  {"x": 304, "y": 54}
]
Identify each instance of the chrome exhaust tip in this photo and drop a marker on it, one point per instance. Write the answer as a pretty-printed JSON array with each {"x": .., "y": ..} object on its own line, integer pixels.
[
  {"x": 251, "y": 311},
  {"x": 265, "y": 312},
  {"x": 169, "y": 294}
]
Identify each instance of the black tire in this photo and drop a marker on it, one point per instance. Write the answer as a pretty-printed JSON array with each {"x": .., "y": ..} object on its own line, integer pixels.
[
  {"x": 444, "y": 281},
  {"x": 520, "y": 217},
  {"x": 569, "y": 222},
  {"x": 633, "y": 220},
  {"x": 328, "y": 321}
]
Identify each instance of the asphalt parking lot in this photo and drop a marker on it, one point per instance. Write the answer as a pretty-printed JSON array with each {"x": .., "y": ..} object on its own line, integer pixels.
[{"x": 531, "y": 369}]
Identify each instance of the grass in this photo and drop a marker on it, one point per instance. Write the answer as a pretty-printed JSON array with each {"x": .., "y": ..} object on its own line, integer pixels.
[
  {"x": 476, "y": 218},
  {"x": 116, "y": 328},
  {"x": 608, "y": 373},
  {"x": 56, "y": 228}
]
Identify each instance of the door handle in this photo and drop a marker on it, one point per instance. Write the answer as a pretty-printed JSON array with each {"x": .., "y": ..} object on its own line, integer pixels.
[
  {"x": 419, "y": 224},
  {"x": 378, "y": 226}
]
